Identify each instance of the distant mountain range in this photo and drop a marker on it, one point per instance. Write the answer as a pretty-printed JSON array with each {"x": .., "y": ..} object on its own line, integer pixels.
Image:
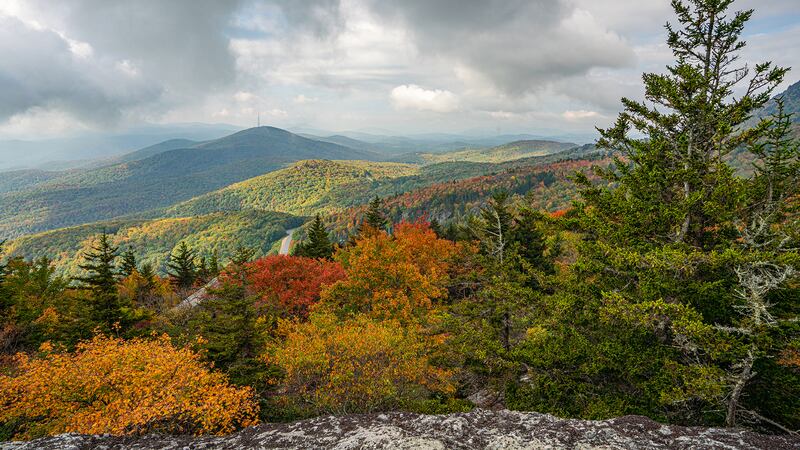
[
  {"x": 267, "y": 178},
  {"x": 243, "y": 212},
  {"x": 89, "y": 149},
  {"x": 159, "y": 180},
  {"x": 506, "y": 152}
]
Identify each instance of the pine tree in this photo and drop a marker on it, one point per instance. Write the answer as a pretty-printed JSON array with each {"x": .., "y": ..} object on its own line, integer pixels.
[
  {"x": 147, "y": 271},
  {"x": 128, "y": 265},
  {"x": 238, "y": 266},
  {"x": 213, "y": 264},
  {"x": 203, "y": 273},
  {"x": 663, "y": 235},
  {"x": 692, "y": 121},
  {"x": 375, "y": 217},
  {"x": 531, "y": 241},
  {"x": 181, "y": 267},
  {"x": 437, "y": 228},
  {"x": 101, "y": 278},
  {"x": 233, "y": 334},
  {"x": 318, "y": 244}
]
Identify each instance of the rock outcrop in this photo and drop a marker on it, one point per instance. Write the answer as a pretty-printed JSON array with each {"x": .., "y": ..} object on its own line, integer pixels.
[{"x": 479, "y": 429}]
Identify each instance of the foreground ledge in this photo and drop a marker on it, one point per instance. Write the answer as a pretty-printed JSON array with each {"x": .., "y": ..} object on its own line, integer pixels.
[{"x": 479, "y": 429}]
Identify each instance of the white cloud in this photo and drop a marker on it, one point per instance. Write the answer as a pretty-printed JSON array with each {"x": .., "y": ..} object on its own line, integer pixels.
[
  {"x": 579, "y": 115},
  {"x": 411, "y": 96},
  {"x": 302, "y": 99}
]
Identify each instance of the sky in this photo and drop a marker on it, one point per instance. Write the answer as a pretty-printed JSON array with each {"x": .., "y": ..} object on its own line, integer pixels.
[{"x": 397, "y": 67}]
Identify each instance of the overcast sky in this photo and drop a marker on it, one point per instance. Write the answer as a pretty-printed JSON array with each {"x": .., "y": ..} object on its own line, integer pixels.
[{"x": 410, "y": 66}]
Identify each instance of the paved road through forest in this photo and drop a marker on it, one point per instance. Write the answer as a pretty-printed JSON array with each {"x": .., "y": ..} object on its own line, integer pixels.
[{"x": 286, "y": 243}]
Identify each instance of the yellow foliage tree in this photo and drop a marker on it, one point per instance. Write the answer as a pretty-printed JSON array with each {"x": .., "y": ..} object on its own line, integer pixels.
[
  {"x": 109, "y": 385},
  {"x": 392, "y": 276},
  {"x": 152, "y": 292},
  {"x": 359, "y": 365}
]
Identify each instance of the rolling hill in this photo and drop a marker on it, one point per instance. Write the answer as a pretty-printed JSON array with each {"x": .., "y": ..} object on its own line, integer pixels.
[
  {"x": 157, "y": 181},
  {"x": 161, "y": 147},
  {"x": 546, "y": 186},
  {"x": 218, "y": 218},
  {"x": 153, "y": 240},
  {"x": 501, "y": 153},
  {"x": 302, "y": 188}
]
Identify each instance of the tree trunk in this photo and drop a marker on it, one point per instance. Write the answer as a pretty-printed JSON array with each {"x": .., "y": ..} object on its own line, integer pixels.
[{"x": 738, "y": 387}]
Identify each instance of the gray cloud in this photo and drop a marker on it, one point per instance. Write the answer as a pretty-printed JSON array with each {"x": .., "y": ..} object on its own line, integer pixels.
[
  {"x": 101, "y": 60},
  {"x": 473, "y": 62},
  {"x": 179, "y": 42},
  {"x": 517, "y": 45},
  {"x": 38, "y": 69}
]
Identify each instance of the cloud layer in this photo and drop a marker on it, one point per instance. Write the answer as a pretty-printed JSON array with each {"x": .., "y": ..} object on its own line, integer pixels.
[{"x": 409, "y": 66}]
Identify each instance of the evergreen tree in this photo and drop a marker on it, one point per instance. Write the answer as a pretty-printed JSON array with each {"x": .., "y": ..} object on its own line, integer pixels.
[
  {"x": 181, "y": 266},
  {"x": 663, "y": 259},
  {"x": 213, "y": 264},
  {"x": 203, "y": 273},
  {"x": 5, "y": 295},
  {"x": 238, "y": 266},
  {"x": 101, "y": 278},
  {"x": 496, "y": 228},
  {"x": 233, "y": 334},
  {"x": 531, "y": 242},
  {"x": 375, "y": 217},
  {"x": 437, "y": 228},
  {"x": 318, "y": 243},
  {"x": 128, "y": 265},
  {"x": 147, "y": 271}
]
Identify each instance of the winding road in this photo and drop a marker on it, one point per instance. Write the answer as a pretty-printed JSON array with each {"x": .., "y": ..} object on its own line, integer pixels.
[{"x": 286, "y": 243}]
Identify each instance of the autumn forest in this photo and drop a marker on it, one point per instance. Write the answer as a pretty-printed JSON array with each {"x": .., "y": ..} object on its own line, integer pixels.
[{"x": 654, "y": 273}]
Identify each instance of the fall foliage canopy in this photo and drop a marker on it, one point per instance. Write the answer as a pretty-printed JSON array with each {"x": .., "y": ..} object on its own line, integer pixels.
[{"x": 109, "y": 385}]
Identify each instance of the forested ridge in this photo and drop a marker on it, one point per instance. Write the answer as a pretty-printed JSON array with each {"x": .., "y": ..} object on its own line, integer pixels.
[{"x": 656, "y": 274}]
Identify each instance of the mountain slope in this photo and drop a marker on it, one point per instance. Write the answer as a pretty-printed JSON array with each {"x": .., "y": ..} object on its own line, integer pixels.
[
  {"x": 161, "y": 147},
  {"x": 303, "y": 188},
  {"x": 159, "y": 180},
  {"x": 152, "y": 240},
  {"x": 311, "y": 186},
  {"x": 17, "y": 180},
  {"x": 791, "y": 103},
  {"x": 546, "y": 185}
]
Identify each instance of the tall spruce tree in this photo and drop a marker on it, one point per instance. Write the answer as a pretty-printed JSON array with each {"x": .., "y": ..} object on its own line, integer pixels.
[
  {"x": 181, "y": 266},
  {"x": 128, "y": 265},
  {"x": 318, "y": 243},
  {"x": 375, "y": 217},
  {"x": 663, "y": 235},
  {"x": 213, "y": 264},
  {"x": 101, "y": 278}
]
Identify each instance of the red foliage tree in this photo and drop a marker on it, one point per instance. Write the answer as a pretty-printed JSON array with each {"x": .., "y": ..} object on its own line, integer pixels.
[{"x": 291, "y": 284}]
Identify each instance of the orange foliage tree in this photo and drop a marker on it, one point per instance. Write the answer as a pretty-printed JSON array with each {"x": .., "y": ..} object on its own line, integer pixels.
[
  {"x": 109, "y": 385},
  {"x": 359, "y": 365},
  {"x": 291, "y": 284},
  {"x": 392, "y": 276}
]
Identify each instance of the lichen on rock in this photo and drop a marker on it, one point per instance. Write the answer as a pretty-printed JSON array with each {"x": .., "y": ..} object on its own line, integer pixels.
[{"x": 479, "y": 429}]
